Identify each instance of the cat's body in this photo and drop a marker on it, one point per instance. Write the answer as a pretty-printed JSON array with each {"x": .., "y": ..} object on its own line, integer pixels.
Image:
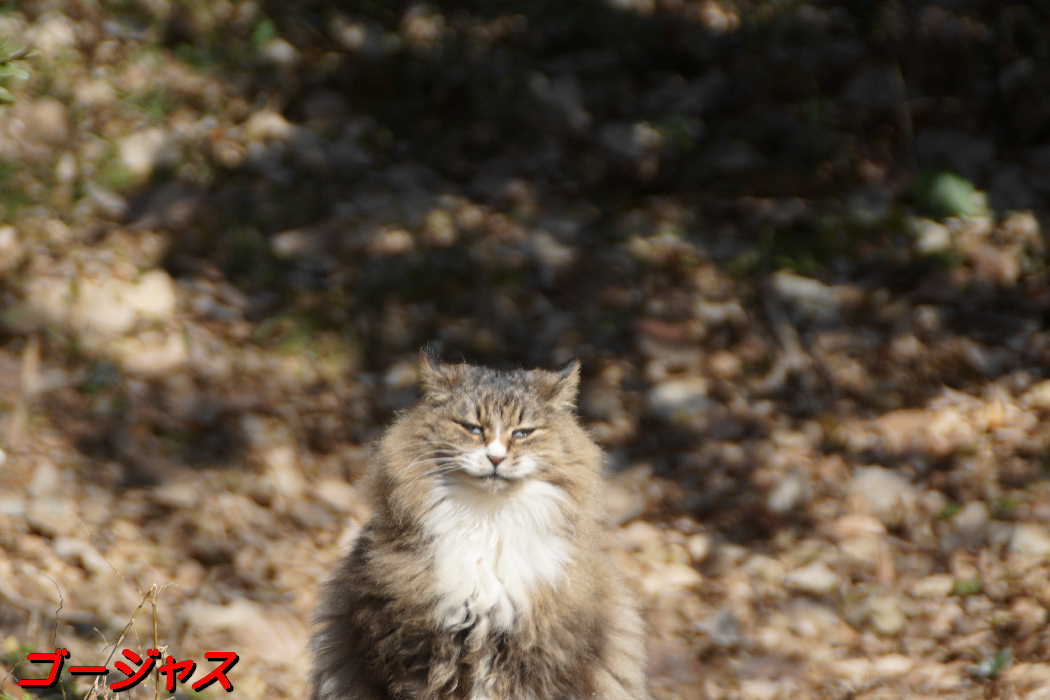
[{"x": 482, "y": 575}]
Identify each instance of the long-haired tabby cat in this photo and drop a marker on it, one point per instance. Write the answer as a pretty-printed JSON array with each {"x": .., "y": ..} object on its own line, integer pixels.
[{"x": 482, "y": 575}]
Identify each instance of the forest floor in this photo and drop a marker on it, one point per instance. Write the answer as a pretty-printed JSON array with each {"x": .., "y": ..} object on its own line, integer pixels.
[{"x": 799, "y": 248}]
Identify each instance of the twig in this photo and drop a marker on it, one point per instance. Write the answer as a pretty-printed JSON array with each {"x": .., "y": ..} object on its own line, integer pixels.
[
  {"x": 793, "y": 360},
  {"x": 120, "y": 639},
  {"x": 73, "y": 617},
  {"x": 156, "y": 640},
  {"x": 17, "y": 55}
]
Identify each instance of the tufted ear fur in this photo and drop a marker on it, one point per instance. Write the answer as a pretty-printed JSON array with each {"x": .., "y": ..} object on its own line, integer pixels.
[
  {"x": 562, "y": 387},
  {"x": 438, "y": 380}
]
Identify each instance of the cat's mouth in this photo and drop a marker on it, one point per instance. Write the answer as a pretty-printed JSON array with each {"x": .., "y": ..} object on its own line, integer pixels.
[
  {"x": 492, "y": 482},
  {"x": 496, "y": 476}
]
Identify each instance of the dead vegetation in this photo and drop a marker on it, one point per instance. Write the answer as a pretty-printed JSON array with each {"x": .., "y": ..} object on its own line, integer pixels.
[{"x": 798, "y": 247}]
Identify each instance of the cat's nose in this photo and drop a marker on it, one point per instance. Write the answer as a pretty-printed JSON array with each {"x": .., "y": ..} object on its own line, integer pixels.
[{"x": 496, "y": 459}]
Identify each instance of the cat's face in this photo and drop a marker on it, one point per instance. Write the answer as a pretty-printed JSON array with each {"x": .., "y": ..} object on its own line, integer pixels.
[{"x": 491, "y": 429}]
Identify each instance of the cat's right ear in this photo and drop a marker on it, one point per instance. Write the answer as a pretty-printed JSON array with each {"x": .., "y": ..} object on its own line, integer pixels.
[{"x": 436, "y": 379}]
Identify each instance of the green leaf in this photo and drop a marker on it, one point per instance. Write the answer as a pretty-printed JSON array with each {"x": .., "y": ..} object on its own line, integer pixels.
[
  {"x": 13, "y": 71},
  {"x": 5, "y": 96},
  {"x": 263, "y": 32},
  {"x": 994, "y": 664},
  {"x": 967, "y": 586},
  {"x": 944, "y": 194}
]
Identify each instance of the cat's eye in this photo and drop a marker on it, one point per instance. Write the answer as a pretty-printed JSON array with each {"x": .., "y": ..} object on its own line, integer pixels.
[
  {"x": 522, "y": 433},
  {"x": 471, "y": 428}
]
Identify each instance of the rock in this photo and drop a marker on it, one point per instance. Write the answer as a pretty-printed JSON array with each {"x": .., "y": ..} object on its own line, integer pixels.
[
  {"x": 279, "y": 52},
  {"x": 631, "y": 141},
  {"x": 422, "y": 26},
  {"x": 551, "y": 254},
  {"x": 699, "y": 547},
  {"x": 1038, "y": 397},
  {"x": 722, "y": 628},
  {"x": 645, "y": 539},
  {"x": 391, "y": 241},
  {"x": 13, "y": 507},
  {"x": 83, "y": 554},
  {"x": 790, "y": 493},
  {"x": 282, "y": 471},
  {"x": 274, "y": 635},
  {"x": 931, "y": 237},
  {"x": 881, "y": 493},
  {"x": 673, "y": 397},
  {"x": 626, "y": 494},
  {"x": 935, "y": 586},
  {"x": 52, "y": 516},
  {"x": 670, "y": 578},
  {"x": 937, "y": 433},
  {"x": 342, "y": 497},
  {"x": 268, "y": 125},
  {"x": 1030, "y": 540},
  {"x": 142, "y": 151},
  {"x": 150, "y": 353},
  {"x": 94, "y": 93},
  {"x": 98, "y": 308},
  {"x": 971, "y": 522},
  {"x": 856, "y": 525},
  {"x": 12, "y": 251},
  {"x": 885, "y": 614},
  {"x": 52, "y": 34},
  {"x": 815, "y": 578},
  {"x": 153, "y": 297},
  {"x": 46, "y": 479},
  {"x": 808, "y": 299},
  {"x": 177, "y": 494},
  {"x": 762, "y": 689},
  {"x": 46, "y": 121},
  {"x": 560, "y": 102}
]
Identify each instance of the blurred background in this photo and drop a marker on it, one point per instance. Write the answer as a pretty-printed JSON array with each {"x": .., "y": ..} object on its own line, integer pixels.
[{"x": 798, "y": 247}]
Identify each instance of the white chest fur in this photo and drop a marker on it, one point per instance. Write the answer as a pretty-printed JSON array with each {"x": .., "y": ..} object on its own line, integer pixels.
[{"x": 491, "y": 550}]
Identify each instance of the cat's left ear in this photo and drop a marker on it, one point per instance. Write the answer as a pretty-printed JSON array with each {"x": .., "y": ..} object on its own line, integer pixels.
[
  {"x": 564, "y": 386},
  {"x": 437, "y": 379}
]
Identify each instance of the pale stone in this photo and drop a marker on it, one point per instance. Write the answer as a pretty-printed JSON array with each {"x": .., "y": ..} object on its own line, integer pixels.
[
  {"x": 282, "y": 471},
  {"x": 815, "y": 578},
  {"x": 893, "y": 665},
  {"x": 885, "y": 614},
  {"x": 94, "y": 93},
  {"x": 1038, "y": 397},
  {"x": 760, "y": 689},
  {"x": 935, "y": 586},
  {"x": 45, "y": 120},
  {"x": 673, "y": 397},
  {"x": 857, "y": 525},
  {"x": 931, "y": 237},
  {"x": 268, "y": 125},
  {"x": 280, "y": 52},
  {"x": 52, "y": 34},
  {"x": 882, "y": 493},
  {"x": 1030, "y": 540},
  {"x": 12, "y": 251},
  {"x": 671, "y": 577},
  {"x": 791, "y": 492},
  {"x": 698, "y": 546},
  {"x": 142, "y": 151},
  {"x": 153, "y": 297},
  {"x": 151, "y": 353},
  {"x": 808, "y": 298}
]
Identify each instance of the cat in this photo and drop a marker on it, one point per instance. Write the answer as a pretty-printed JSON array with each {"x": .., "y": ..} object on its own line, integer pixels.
[{"x": 482, "y": 574}]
